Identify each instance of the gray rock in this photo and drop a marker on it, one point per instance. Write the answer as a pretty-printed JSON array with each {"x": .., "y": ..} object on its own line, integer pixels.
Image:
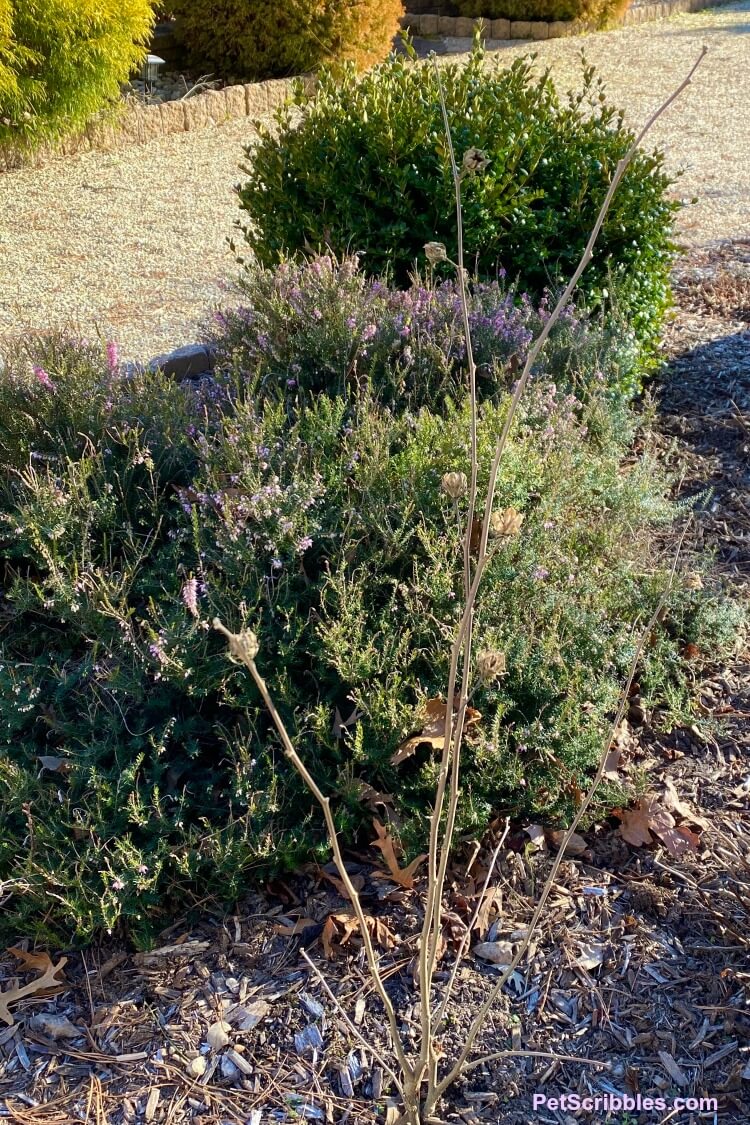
[{"x": 185, "y": 363}]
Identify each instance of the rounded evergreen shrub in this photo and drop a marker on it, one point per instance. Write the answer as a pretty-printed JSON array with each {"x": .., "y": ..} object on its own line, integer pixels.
[
  {"x": 257, "y": 39},
  {"x": 134, "y": 510},
  {"x": 365, "y": 165},
  {"x": 63, "y": 60}
]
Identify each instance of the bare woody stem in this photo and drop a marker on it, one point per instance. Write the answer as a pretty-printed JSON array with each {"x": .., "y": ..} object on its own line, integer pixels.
[
  {"x": 244, "y": 652},
  {"x": 452, "y": 748},
  {"x": 476, "y": 1026}
]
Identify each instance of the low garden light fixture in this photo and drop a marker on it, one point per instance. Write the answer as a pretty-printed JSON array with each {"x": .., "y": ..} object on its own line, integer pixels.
[{"x": 151, "y": 66}]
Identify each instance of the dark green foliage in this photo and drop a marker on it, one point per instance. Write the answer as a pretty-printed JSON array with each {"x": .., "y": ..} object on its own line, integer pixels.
[
  {"x": 138, "y": 768},
  {"x": 366, "y": 167}
]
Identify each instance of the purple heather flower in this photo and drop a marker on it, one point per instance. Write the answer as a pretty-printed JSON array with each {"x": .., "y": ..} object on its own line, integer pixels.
[
  {"x": 539, "y": 573},
  {"x": 368, "y": 331},
  {"x": 43, "y": 378},
  {"x": 304, "y": 544},
  {"x": 113, "y": 356},
  {"x": 190, "y": 596}
]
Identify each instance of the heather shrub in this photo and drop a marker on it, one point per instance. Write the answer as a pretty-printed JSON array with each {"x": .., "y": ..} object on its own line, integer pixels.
[
  {"x": 591, "y": 13},
  {"x": 365, "y": 165},
  {"x": 325, "y": 326},
  {"x": 61, "y": 61},
  {"x": 133, "y": 510},
  {"x": 256, "y": 39}
]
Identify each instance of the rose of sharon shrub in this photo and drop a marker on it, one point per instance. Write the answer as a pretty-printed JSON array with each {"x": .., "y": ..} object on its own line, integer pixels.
[
  {"x": 133, "y": 511},
  {"x": 63, "y": 60},
  {"x": 366, "y": 165},
  {"x": 264, "y": 39}
]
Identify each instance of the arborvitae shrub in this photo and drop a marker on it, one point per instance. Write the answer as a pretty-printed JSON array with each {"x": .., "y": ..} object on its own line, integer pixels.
[
  {"x": 592, "y": 13},
  {"x": 63, "y": 60},
  {"x": 257, "y": 39},
  {"x": 365, "y": 166}
]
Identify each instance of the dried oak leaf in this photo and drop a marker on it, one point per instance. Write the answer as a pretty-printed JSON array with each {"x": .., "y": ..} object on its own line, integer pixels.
[
  {"x": 404, "y": 877},
  {"x": 43, "y": 984},
  {"x": 675, "y": 804},
  {"x": 575, "y": 846},
  {"x": 433, "y": 731},
  {"x": 339, "y": 928},
  {"x": 637, "y": 824}
]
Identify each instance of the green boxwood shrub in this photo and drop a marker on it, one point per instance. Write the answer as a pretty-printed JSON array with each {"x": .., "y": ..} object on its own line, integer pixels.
[
  {"x": 61, "y": 61},
  {"x": 138, "y": 767},
  {"x": 256, "y": 39},
  {"x": 365, "y": 165}
]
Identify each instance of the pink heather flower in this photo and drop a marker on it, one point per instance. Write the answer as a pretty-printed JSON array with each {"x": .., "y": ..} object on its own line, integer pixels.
[
  {"x": 142, "y": 869},
  {"x": 190, "y": 595},
  {"x": 368, "y": 331},
  {"x": 113, "y": 356},
  {"x": 43, "y": 378},
  {"x": 118, "y": 885},
  {"x": 540, "y": 573}
]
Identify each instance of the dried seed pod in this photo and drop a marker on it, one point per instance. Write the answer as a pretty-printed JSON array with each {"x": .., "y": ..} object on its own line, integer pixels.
[
  {"x": 455, "y": 484},
  {"x": 505, "y": 523},
  {"x": 243, "y": 646},
  {"x": 435, "y": 252},
  {"x": 475, "y": 160},
  {"x": 490, "y": 665}
]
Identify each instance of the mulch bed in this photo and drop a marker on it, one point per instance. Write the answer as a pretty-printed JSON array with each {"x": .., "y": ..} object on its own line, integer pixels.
[{"x": 641, "y": 961}]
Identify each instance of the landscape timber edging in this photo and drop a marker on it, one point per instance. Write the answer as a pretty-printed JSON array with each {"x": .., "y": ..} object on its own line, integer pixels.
[{"x": 461, "y": 27}]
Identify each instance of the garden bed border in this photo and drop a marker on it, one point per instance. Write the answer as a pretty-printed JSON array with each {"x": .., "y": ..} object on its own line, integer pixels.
[
  {"x": 138, "y": 124},
  {"x": 462, "y": 27}
]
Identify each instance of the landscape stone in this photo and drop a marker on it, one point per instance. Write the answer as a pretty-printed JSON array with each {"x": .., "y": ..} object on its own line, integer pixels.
[{"x": 185, "y": 363}]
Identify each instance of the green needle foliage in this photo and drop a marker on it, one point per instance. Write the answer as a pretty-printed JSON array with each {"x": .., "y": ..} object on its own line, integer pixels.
[{"x": 139, "y": 771}]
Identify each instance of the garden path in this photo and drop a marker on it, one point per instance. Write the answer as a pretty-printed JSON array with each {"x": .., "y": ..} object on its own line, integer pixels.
[{"x": 134, "y": 243}]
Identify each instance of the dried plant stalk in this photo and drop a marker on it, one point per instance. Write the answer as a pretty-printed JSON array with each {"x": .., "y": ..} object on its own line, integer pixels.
[{"x": 413, "y": 1076}]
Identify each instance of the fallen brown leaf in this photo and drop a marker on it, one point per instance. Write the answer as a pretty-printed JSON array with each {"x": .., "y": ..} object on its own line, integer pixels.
[
  {"x": 404, "y": 877},
  {"x": 339, "y": 929},
  {"x": 637, "y": 824},
  {"x": 433, "y": 731},
  {"x": 576, "y": 845},
  {"x": 287, "y": 929},
  {"x": 43, "y": 984},
  {"x": 675, "y": 804}
]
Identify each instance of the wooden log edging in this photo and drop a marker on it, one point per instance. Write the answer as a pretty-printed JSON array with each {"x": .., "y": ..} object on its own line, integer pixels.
[{"x": 462, "y": 27}]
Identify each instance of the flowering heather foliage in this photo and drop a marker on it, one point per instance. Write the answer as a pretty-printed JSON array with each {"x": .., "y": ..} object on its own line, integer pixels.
[
  {"x": 324, "y": 326},
  {"x": 134, "y": 510}
]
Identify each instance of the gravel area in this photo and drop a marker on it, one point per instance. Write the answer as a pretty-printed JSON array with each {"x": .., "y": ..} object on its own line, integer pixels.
[{"x": 133, "y": 244}]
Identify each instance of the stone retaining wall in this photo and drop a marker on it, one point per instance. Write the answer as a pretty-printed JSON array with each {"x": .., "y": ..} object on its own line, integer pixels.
[{"x": 461, "y": 27}]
